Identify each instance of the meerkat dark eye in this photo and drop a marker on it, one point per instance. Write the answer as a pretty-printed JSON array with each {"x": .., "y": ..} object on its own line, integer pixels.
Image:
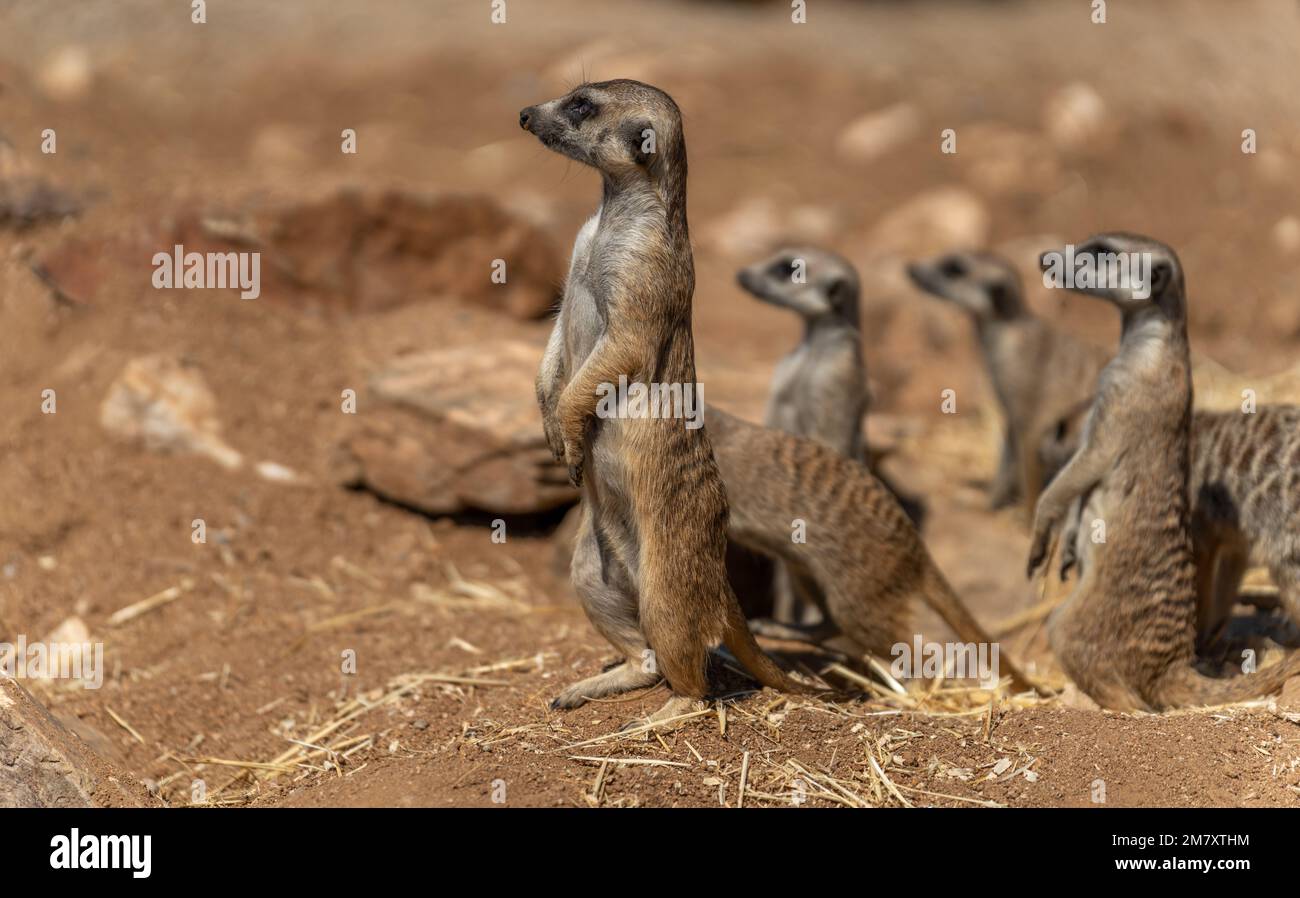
[
  {"x": 782, "y": 268},
  {"x": 952, "y": 268},
  {"x": 579, "y": 109}
]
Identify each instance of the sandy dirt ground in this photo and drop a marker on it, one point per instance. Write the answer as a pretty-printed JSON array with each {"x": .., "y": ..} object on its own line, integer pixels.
[{"x": 235, "y": 683}]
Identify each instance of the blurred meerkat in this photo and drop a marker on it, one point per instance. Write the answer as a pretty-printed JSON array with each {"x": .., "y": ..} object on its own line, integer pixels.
[
  {"x": 1245, "y": 506},
  {"x": 1126, "y": 634},
  {"x": 819, "y": 390},
  {"x": 862, "y": 562},
  {"x": 648, "y": 564},
  {"x": 1039, "y": 374}
]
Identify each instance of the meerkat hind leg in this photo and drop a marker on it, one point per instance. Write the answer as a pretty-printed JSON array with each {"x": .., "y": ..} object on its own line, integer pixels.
[
  {"x": 622, "y": 678},
  {"x": 605, "y": 589},
  {"x": 676, "y": 706}
]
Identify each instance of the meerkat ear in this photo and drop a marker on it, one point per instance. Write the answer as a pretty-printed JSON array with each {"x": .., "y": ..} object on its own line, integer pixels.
[
  {"x": 1161, "y": 274},
  {"x": 839, "y": 293},
  {"x": 1001, "y": 299},
  {"x": 642, "y": 141}
]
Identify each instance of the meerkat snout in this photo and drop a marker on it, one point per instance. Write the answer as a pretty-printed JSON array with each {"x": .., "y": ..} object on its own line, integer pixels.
[{"x": 525, "y": 117}]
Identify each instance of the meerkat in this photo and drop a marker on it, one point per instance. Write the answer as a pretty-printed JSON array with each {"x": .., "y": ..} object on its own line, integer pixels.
[
  {"x": 1038, "y": 373},
  {"x": 1126, "y": 634},
  {"x": 1244, "y": 473},
  {"x": 861, "y": 559},
  {"x": 819, "y": 390},
  {"x": 649, "y": 559}
]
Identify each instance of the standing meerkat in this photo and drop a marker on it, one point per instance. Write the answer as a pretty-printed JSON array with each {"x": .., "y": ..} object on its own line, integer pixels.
[
  {"x": 649, "y": 559},
  {"x": 1245, "y": 506},
  {"x": 863, "y": 561},
  {"x": 1039, "y": 374},
  {"x": 1126, "y": 634}
]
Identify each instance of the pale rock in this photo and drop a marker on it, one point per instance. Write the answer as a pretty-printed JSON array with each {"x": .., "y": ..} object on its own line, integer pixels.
[
  {"x": 873, "y": 135},
  {"x": 166, "y": 406},
  {"x": 1076, "y": 116},
  {"x": 935, "y": 221},
  {"x": 1286, "y": 235},
  {"x": 67, "y": 75}
]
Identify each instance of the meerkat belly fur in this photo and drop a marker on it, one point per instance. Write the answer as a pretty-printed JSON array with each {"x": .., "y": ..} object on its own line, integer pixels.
[
  {"x": 1126, "y": 634},
  {"x": 649, "y": 558},
  {"x": 1038, "y": 373}
]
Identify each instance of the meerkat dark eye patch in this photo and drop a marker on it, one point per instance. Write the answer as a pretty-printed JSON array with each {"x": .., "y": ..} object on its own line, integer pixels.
[
  {"x": 578, "y": 110},
  {"x": 782, "y": 269},
  {"x": 952, "y": 267}
]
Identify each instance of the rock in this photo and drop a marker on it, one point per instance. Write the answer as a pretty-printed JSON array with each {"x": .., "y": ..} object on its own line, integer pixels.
[
  {"x": 277, "y": 473},
  {"x": 758, "y": 225},
  {"x": 364, "y": 253},
  {"x": 1286, "y": 235},
  {"x": 456, "y": 430},
  {"x": 67, "y": 75},
  {"x": 164, "y": 405},
  {"x": 877, "y": 133},
  {"x": 1076, "y": 117},
  {"x": 44, "y": 765},
  {"x": 935, "y": 221},
  {"x": 1289, "y": 699},
  {"x": 1004, "y": 161}
]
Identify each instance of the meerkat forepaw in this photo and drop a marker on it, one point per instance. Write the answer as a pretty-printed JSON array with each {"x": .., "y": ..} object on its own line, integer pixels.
[
  {"x": 1037, "y": 552},
  {"x": 573, "y": 458}
]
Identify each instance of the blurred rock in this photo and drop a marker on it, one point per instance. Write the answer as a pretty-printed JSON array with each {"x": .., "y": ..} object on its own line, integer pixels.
[
  {"x": 67, "y": 75},
  {"x": 43, "y": 765},
  {"x": 1076, "y": 117},
  {"x": 1004, "y": 161},
  {"x": 277, "y": 473},
  {"x": 456, "y": 430},
  {"x": 164, "y": 405},
  {"x": 876, "y": 133},
  {"x": 365, "y": 253},
  {"x": 935, "y": 221},
  {"x": 759, "y": 225},
  {"x": 26, "y": 199},
  {"x": 1286, "y": 235},
  {"x": 1289, "y": 699}
]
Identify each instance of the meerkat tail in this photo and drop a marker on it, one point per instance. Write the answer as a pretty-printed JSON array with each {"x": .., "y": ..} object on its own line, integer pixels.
[
  {"x": 939, "y": 595},
  {"x": 740, "y": 642},
  {"x": 1184, "y": 686}
]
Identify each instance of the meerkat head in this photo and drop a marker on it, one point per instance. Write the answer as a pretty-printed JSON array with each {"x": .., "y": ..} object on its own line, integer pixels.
[
  {"x": 816, "y": 283},
  {"x": 1135, "y": 273},
  {"x": 623, "y": 128},
  {"x": 983, "y": 284}
]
